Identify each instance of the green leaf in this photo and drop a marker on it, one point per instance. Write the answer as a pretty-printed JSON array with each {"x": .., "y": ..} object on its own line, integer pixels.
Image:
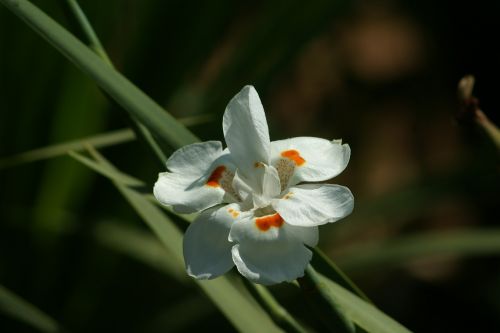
[
  {"x": 324, "y": 306},
  {"x": 362, "y": 313},
  {"x": 397, "y": 251},
  {"x": 325, "y": 266},
  {"x": 227, "y": 293},
  {"x": 107, "y": 171},
  {"x": 278, "y": 313},
  {"x": 16, "y": 307},
  {"x": 141, "y": 246},
  {"x": 132, "y": 99},
  {"x": 98, "y": 140}
]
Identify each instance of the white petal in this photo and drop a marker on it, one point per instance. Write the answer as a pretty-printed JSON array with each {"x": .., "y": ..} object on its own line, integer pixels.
[
  {"x": 311, "y": 204},
  {"x": 184, "y": 194},
  {"x": 245, "y": 130},
  {"x": 308, "y": 235},
  {"x": 194, "y": 159},
  {"x": 201, "y": 177},
  {"x": 273, "y": 251},
  {"x": 271, "y": 263},
  {"x": 310, "y": 159},
  {"x": 207, "y": 251}
]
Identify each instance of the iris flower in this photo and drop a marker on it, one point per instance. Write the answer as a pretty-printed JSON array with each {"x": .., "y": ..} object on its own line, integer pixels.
[{"x": 260, "y": 208}]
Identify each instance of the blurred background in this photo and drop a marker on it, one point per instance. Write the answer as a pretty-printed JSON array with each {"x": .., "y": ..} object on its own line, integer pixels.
[{"x": 381, "y": 75}]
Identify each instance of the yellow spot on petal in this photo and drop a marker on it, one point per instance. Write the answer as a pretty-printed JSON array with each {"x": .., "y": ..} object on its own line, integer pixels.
[
  {"x": 213, "y": 180},
  {"x": 288, "y": 195},
  {"x": 233, "y": 213},
  {"x": 293, "y": 155},
  {"x": 266, "y": 222}
]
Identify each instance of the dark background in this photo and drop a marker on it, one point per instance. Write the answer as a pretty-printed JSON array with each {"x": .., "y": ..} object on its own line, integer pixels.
[{"x": 381, "y": 75}]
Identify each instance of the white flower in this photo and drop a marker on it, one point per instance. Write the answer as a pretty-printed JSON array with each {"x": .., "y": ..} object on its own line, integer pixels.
[{"x": 258, "y": 212}]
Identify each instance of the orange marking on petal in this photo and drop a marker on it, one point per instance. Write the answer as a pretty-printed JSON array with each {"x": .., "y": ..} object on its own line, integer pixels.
[
  {"x": 266, "y": 222},
  {"x": 288, "y": 195},
  {"x": 216, "y": 175},
  {"x": 293, "y": 155},
  {"x": 235, "y": 214}
]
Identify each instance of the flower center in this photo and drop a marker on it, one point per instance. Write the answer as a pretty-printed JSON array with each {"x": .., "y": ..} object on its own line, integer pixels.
[
  {"x": 223, "y": 177},
  {"x": 290, "y": 159}
]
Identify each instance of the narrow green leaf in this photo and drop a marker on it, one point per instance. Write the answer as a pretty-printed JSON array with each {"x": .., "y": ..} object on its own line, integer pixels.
[
  {"x": 141, "y": 246},
  {"x": 398, "y": 251},
  {"x": 132, "y": 99},
  {"x": 16, "y": 307},
  {"x": 227, "y": 293},
  {"x": 278, "y": 313},
  {"x": 99, "y": 140},
  {"x": 364, "y": 314},
  {"x": 111, "y": 173},
  {"x": 324, "y": 306},
  {"x": 325, "y": 266},
  {"x": 87, "y": 30}
]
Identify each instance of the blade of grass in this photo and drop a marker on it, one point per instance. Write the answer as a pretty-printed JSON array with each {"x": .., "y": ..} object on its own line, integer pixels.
[
  {"x": 139, "y": 245},
  {"x": 325, "y": 266},
  {"x": 18, "y": 308},
  {"x": 399, "y": 251},
  {"x": 114, "y": 175},
  {"x": 278, "y": 313},
  {"x": 99, "y": 141},
  {"x": 227, "y": 293},
  {"x": 81, "y": 21},
  {"x": 132, "y": 99},
  {"x": 87, "y": 30},
  {"x": 324, "y": 307},
  {"x": 356, "y": 309}
]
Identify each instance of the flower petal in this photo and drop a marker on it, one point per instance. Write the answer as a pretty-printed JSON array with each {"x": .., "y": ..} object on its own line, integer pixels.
[
  {"x": 269, "y": 250},
  {"x": 207, "y": 251},
  {"x": 315, "y": 204},
  {"x": 269, "y": 263},
  {"x": 194, "y": 159},
  {"x": 245, "y": 130},
  {"x": 308, "y": 159},
  {"x": 201, "y": 186}
]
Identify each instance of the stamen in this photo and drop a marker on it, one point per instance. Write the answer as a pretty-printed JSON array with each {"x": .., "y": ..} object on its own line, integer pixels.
[
  {"x": 285, "y": 169},
  {"x": 266, "y": 222}
]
